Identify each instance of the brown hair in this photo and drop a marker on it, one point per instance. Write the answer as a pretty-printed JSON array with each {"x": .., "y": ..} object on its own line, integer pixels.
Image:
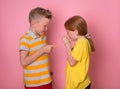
[
  {"x": 37, "y": 12},
  {"x": 78, "y": 23}
]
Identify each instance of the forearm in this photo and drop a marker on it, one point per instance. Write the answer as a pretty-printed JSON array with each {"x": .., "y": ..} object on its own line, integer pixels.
[
  {"x": 70, "y": 59},
  {"x": 29, "y": 59}
]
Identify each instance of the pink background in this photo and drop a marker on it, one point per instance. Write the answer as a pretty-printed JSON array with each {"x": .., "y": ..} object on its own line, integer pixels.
[{"x": 103, "y": 18}]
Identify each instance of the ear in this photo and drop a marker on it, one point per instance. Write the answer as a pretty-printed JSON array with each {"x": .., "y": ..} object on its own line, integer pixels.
[
  {"x": 76, "y": 32},
  {"x": 33, "y": 22}
]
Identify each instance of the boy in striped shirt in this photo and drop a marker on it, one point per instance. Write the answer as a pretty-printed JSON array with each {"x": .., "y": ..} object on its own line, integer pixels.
[{"x": 34, "y": 51}]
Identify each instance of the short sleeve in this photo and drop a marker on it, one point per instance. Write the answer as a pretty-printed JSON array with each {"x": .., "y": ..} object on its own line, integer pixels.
[
  {"x": 77, "y": 51},
  {"x": 80, "y": 49},
  {"x": 24, "y": 44}
]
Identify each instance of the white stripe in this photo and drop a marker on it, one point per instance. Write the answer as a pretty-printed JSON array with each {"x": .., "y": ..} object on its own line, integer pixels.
[
  {"x": 24, "y": 48},
  {"x": 35, "y": 71},
  {"x": 36, "y": 40},
  {"x": 24, "y": 40},
  {"x": 39, "y": 62},
  {"x": 37, "y": 78},
  {"x": 37, "y": 47},
  {"x": 34, "y": 85}
]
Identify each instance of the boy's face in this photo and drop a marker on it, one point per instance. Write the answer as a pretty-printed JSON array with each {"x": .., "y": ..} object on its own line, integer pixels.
[{"x": 41, "y": 25}]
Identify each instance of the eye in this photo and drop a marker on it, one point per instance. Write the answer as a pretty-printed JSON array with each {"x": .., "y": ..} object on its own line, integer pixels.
[{"x": 44, "y": 26}]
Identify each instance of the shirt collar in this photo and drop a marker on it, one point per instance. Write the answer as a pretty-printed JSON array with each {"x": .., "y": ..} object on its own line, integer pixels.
[{"x": 32, "y": 34}]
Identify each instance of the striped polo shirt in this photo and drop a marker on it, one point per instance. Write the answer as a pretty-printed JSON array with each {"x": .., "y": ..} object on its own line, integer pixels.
[{"x": 36, "y": 73}]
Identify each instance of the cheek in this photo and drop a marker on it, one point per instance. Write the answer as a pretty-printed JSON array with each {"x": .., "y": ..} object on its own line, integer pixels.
[
  {"x": 40, "y": 28},
  {"x": 70, "y": 36}
]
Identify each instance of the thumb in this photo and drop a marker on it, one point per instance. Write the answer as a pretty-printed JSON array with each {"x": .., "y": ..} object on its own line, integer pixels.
[{"x": 64, "y": 37}]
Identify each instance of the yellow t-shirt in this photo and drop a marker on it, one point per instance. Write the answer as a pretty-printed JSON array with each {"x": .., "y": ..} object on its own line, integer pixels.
[{"x": 77, "y": 76}]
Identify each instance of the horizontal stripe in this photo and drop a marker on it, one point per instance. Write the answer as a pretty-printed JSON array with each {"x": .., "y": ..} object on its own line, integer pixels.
[
  {"x": 33, "y": 40},
  {"x": 37, "y": 78},
  {"x": 37, "y": 74},
  {"x": 40, "y": 84},
  {"x": 37, "y": 43},
  {"x": 39, "y": 62},
  {"x": 38, "y": 81},
  {"x": 37, "y": 47},
  {"x": 26, "y": 37},
  {"x": 36, "y": 67},
  {"x": 24, "y": 44},
  {"x": 24, "y": 40},
  {"x": 36, "y": 40},
  {"x": 36, "y": 71},
  {"x": 24, "y": 48}
]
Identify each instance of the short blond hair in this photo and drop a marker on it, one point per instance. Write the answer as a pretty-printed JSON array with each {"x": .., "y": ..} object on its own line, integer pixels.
[{"x": 38, "y": 11}]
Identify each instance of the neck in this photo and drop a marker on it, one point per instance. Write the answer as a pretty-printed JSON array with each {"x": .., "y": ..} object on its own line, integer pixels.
[
  {"x": 78, "y": 37},
  {"x": 33, "y": 30}
]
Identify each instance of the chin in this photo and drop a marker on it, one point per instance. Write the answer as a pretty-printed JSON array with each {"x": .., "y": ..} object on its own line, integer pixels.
[
  {"x": 73, "y": 39},
  {"x": 41, "y": 33}
]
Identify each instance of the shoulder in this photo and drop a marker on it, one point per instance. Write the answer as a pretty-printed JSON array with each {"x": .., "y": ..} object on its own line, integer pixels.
[
  {"x": 82, "y": 41},
  {"x": 25, "y": 37},
  {"x": 24, "y": 42}
]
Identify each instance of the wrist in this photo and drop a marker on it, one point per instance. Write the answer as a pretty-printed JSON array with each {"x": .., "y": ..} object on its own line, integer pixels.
[
  {"x": 66, "y": 43},
  {"x": 68, "y": 47}
]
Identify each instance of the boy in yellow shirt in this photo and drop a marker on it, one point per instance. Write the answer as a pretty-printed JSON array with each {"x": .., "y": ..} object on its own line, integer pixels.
[
  {"x": 34, "y": 51},
  {"x": 78, "y": 55}
]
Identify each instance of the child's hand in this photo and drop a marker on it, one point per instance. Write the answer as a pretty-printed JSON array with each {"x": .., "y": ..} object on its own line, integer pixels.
[
  {"x": 65, "y": 40},
  {"x": 48, "y": 48}
]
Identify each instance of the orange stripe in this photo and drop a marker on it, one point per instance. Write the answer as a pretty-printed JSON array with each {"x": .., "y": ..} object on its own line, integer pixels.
[
  {"x": 38, "y": 81},
  {"x": 36, "y": 67},
  {"x": 37, "y": 43},
  {"x": 37, "y": 74},
  {"x": 26, "y": 37},
  {"x": 24, "y": 44}
]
